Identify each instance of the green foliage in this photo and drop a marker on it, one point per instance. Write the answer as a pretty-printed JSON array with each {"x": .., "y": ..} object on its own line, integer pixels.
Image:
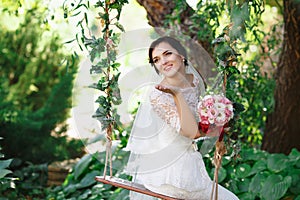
[
  {"x": 5, "y": 181},
  {"x": 81, "y": 184},
  {"x": 245, "y": 73},
  {"x": 3, "y": 165},
  {"x": 36, "y": 85},
  {"x": 259, "y": 175},
  {"x": 31, "y": 181}
]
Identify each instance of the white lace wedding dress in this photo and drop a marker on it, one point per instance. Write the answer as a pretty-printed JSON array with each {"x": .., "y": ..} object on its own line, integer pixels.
[{"x": 166, "y": 162}]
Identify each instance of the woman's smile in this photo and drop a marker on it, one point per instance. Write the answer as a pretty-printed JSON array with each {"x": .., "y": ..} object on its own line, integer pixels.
[{"x": 168, "y": 67}]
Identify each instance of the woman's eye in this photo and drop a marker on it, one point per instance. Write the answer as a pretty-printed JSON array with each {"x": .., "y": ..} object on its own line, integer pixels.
[
  {"x": 169, "y": 53},
  {"x": 155, "y": 60}
]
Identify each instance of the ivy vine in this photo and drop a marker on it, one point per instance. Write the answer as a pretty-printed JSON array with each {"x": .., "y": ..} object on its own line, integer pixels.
[{"x": 103, "y": 55}]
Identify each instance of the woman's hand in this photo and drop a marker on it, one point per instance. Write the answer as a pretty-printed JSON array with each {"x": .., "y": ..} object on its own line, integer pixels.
[{"x": 168, "y": 89}]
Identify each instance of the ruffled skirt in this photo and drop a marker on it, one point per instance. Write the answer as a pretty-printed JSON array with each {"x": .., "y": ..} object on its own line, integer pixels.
[{"x": 186, "y": 178}]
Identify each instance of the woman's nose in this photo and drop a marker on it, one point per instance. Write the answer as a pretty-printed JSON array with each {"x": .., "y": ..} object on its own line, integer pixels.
[{"x": 164, "y": 60}]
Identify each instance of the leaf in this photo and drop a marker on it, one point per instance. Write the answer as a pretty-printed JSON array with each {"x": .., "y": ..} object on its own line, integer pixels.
[
  {"x": 118, "y": 165},
  {"x": 226, "y": 160},
  {"x": 275, "y": 187},
  {"x": 120, "y": 26},
  {"x": 277, "y": 162},
  {"x": 233, "y": 70},
  {"x": 82, "y": 165},
  {"x": 70, "y": 41},
  {"x": 69, "y": 189},
  {"x": 5, "y": 163},
  {"x": 243, "y": 170},
  {"x": 4, "y": 172},
  {"x": 86, "y": 18},
  {"x": 294, "y": 156},
  {"x": 102, "y": 101},
  {"x": 96, "y": 69},
  {"x": 85, "y": 194},
  {"x": 253, "y": 154},
  {"x": 115, "y": 65},
  {"x": 256, "y": 183},
  {"x": 247, "y": 196},
  {"x": 244, "y": 185},
  {"x": 88, "y": 180},
  {"x": 234, "y": 186},
  {"x": 295, "y": 174},
  {"x": 258, "y": 167},
  {"x": 94, "y": 53},
  {"x": 99, "y": 4},
  {"x": 93, "y": 86}
]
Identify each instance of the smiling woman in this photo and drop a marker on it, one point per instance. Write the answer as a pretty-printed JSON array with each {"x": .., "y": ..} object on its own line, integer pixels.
[{"x": 163, "y": 156}]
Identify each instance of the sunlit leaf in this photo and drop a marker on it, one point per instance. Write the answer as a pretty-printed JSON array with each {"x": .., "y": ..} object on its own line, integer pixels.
[
  {"x": 4, "y": 172},
  {"x": 5, "y": 163}
]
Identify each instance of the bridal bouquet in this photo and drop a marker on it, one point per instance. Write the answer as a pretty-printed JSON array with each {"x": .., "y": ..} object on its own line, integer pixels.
[{"x": 214, "y": 110}]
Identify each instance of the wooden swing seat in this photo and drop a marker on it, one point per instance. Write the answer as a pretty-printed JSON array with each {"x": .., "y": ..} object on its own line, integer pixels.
[{"x": 128, "y": 185}]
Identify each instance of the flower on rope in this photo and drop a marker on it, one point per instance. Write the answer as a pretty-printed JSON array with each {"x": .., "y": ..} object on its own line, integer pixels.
[{"x": 216, "y": 110}]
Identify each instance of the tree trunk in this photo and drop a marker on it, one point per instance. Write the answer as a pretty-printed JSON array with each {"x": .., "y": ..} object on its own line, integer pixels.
[
  {"x": 158, "y": 10},
  {"x": 283, "y": 125}
]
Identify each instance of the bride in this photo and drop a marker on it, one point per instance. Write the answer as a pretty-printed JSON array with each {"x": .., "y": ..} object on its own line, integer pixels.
[{"x": 163, "y": 155}]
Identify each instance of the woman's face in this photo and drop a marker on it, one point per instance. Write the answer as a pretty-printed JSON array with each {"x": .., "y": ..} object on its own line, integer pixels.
[{"x": 167, "y": 60}]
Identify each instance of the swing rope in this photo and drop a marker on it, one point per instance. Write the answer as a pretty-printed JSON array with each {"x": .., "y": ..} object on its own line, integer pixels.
[
  {"x": 219, "y": 152},
  {"x": 108, "y": 156}
]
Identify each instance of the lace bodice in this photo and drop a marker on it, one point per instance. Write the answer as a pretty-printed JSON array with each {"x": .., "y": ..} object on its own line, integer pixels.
[{"x": 164, "y": 105}]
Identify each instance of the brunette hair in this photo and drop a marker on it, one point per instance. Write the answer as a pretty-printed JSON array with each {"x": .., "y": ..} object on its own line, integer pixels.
[{"x": 171, "y": 41}]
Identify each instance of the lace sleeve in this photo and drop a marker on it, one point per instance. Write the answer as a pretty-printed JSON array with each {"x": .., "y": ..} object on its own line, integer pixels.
[{"x": 163, "y": 104}]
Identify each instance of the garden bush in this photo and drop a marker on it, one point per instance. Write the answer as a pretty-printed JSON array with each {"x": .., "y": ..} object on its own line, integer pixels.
[
  {"x": 257, "y": 174},
  {"x": 36, "y": 82}
]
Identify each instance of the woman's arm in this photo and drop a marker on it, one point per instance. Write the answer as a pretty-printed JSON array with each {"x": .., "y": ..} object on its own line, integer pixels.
[{"x": 188, "y": 123}]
